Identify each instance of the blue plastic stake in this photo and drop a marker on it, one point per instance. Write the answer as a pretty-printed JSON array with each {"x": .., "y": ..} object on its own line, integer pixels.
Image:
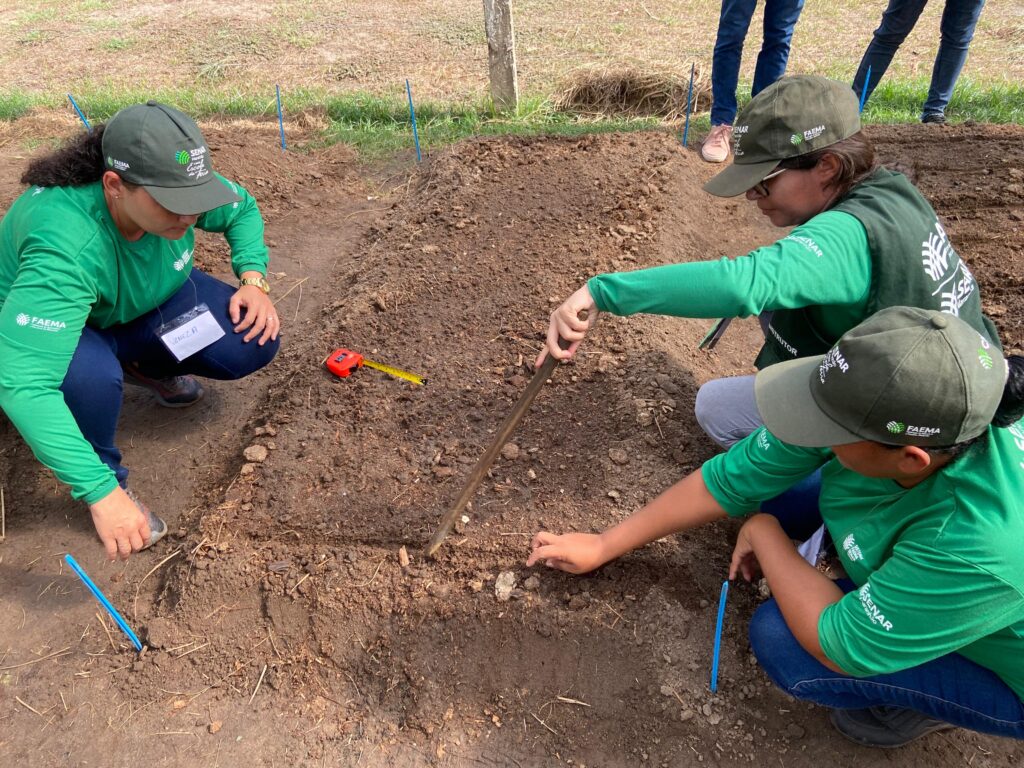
[
  {"x": 280, "y": 118},
  {"x": 864, "y": 88},
  {"x": 412, "y": 114},
  {"x": 104, "y": 602},
  {"x": 84, "y": 121},
  {"x": 718, "y": 636},
  {"x": 689, "y": 98}
]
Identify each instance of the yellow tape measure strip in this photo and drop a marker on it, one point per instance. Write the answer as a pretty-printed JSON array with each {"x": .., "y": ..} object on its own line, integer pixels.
[{"x": 396, "y": 372}]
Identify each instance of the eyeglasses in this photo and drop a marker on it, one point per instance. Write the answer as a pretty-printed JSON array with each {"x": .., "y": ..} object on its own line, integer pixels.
[{"x": 761, "y": 189}]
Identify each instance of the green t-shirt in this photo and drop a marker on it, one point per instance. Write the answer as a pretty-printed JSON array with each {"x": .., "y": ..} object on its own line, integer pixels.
[
  {"x": 64, "y": 265},
  {"x": 938, "y": 566},
  {"x": 824, "y": 264}
]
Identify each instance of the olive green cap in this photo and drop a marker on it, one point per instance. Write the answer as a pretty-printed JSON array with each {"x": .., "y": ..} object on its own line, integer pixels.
[
  {"x": 791, "y": 117},
  {"x": 905, "y": 376},
  {"x": 163, "y": 151}
]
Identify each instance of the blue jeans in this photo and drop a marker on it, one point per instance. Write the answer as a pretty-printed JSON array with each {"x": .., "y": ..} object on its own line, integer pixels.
[
  {"x": 94, "y": 382},
  {"x": 959, "y": 17},
  {"x": 951, "y": 688},
  {"x": 780, "y": 17}
]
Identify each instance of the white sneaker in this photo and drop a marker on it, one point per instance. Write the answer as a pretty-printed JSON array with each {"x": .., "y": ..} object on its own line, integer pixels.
[{"x": 715, "y": 148}]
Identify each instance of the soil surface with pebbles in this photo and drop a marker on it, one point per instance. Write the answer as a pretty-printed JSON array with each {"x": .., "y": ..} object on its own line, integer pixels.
[{"x": 291, "y": 616}]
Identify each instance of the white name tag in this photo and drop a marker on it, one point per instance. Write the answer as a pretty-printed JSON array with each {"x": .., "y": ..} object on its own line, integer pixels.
[{"x": 191, "y": 332}]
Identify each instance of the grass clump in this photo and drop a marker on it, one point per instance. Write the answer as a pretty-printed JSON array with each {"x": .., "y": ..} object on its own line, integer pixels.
[{"x": 629, "y": 92}]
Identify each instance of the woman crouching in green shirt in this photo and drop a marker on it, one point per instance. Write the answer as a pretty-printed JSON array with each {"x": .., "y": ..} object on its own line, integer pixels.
[
  {"x": 921, "y": 484},
  {"x": 97, "y": 289},
  {"x": 864, "y": 239}
]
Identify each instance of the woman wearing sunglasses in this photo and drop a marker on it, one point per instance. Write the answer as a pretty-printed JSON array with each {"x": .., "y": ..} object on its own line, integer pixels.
[{"x": 864, "y": 239}]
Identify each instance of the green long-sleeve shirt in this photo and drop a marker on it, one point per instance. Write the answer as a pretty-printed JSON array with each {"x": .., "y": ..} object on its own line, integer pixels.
[
  {"x": 65, "y": 265},
  {"x": 824, "y": 264},
  {"x": 937, "y": 566}
]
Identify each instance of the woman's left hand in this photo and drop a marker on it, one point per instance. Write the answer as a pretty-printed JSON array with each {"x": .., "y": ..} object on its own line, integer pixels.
[{"x": 251, "y": 309}]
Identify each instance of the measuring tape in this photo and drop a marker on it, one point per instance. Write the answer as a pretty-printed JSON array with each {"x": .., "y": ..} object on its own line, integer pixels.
[{"x": 344, "y": 362}]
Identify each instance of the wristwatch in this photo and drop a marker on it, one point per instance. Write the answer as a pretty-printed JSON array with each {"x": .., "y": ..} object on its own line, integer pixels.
[{"x": 260, "y": 282}]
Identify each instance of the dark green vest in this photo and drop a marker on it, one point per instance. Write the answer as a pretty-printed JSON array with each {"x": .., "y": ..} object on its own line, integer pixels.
[{"x": 912, "y": 264}]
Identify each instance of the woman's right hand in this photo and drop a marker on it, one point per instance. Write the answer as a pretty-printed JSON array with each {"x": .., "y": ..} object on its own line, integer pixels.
[
  {"x": 566, "y": 323},
  {"x": 571, "y": 552},
  {"x": 121, "y": 525}
]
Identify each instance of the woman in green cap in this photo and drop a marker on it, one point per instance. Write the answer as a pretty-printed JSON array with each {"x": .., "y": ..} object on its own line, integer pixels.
[
  {"x": 864, "y": 238},
  {"x": 914, "y": 420},
  {"x": 97, "y": 288}
]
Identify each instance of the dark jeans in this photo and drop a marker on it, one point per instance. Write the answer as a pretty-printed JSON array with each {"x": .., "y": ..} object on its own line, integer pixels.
[
  {"x": 950, "y": 688},
  {"x": 780, "y": 17},
  {"x": 94, "y": 382},
  {"x": 959, "y": 18}
]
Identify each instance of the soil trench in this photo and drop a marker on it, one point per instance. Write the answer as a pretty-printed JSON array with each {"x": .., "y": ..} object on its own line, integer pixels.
[{"x": 291, "y": 616}]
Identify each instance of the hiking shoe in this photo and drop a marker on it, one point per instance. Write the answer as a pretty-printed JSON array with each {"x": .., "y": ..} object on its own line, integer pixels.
[
  {"x": 715, "y": 148},
  {"x": 172, "y": 392},
  {"x": 936, "y": 118},
  {"x": 157, "y": 527},
  {"x": 884, "y": 727}
]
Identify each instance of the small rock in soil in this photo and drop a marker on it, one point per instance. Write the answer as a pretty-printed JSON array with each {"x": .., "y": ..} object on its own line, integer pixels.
[
  {"x": 687, "y": 714},
  {"x": 531, "y": 583},
  {"x": 504, "y": 585},
  {"x": 247, "y": 469},
  {"x": 510, "y": 451},
  {"x": 255, "y": 453},
  {"x": 618, "y": 456},
  {"x": 665, "y": 383},
  {"x": 795, "y": 731}
]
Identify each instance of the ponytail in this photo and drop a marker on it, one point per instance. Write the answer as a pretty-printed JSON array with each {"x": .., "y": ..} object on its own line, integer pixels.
[
  {"x": 1011, "y": 407},
  {"x": 78, "y": 162}
]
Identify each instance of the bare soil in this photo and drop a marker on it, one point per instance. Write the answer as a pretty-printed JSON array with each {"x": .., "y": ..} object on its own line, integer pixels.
[{"x": 284, "y": 628}]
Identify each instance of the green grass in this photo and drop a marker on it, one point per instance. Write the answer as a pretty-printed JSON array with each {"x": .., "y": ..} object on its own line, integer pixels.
[
  {"x": 901, "y": 102},
  {"x": 378, "y": 126}
]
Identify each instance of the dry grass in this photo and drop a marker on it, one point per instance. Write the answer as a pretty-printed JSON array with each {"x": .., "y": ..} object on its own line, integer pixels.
[
  {"x": 55, "y": 46},
  {"x": 629, "y": 92}
]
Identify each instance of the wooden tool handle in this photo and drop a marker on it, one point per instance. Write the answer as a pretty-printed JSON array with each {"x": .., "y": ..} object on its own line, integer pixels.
[{"x": 484, "y": 462}]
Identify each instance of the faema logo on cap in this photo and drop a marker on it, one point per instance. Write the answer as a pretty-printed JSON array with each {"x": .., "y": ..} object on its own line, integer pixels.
[
  {"x": 796, "y": 139},
  {"x": 896, "y": 427}
]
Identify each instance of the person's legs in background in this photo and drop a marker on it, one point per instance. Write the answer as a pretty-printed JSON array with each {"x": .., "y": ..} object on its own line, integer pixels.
[
  {"x": 888, "y": 710},
  {"x": 959, "y": 18},
  {"x": 733, "y": 24},
  {"x": 897, "y": 22},
  {"x": 780, "y": 17}
]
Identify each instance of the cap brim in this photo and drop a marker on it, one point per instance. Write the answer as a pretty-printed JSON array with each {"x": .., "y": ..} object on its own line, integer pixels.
[
  {"x": 738, "y": 178},
  {"x": 788, "y": 408},
  {"x": 190, "y": 201}
]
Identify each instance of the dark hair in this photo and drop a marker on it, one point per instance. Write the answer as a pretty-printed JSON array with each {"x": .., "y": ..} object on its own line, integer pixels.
[
  {"x": 856, "y": 156},
  {"x": 77, "y": 162},
  {"x": 1011, "y": 407}
]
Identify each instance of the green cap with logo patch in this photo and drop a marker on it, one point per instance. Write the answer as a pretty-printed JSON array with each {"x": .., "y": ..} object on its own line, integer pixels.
[
  {"x": 905, "y": 376},
  {"x": 793, "y": 116},
  {"x": 163, "y": 151}
]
